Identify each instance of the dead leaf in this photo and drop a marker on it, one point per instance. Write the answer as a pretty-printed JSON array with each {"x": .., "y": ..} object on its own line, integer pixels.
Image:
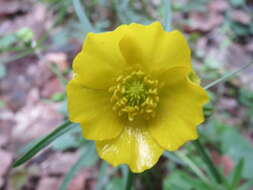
[
  {"x": 5, "y": 161},
  {"x": 35, "y": 120},
  {"x": 58, "y": 58},
  {"x": 223, "y": 161},
  {"x": 49, "y": 183},
  {"x": 58, "y": 163},
  {"x": 240, "y": 16},
  {"x": 218, "y": 6},
  {"x": 204, "y": 22},
  {"x": 11, "y": 7},
  {"x": 52, "y": 86}
]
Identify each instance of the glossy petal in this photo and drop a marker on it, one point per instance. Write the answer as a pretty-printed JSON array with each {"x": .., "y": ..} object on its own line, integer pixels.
[
  {"x": 153, "y": 49},
  {"x": 179, "y": 111},
  {"x": 162, "y": 56},
  {"x": 100, "y": 59},
  {"x": 134, "y": 147},
  {"x": 93, "y": 110}
]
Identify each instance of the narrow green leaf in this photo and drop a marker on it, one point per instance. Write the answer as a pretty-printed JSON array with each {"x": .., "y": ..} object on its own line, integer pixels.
[
  {"x": 80, "y": 11},
  {"x": 18, "y": 56},
  {"x": 101, "y": 176},
  {"x": 237, "y": 174},
  {"x": 2, "y": 71},
  {"x": 214, "y": 171},
  {"x": 227, "y": 76},
  {"x": 42, "y": 143},
  {"x": 167, "y": 14},
  {"x": 85, "y": 155},
  {"x": 193, "y": 166},
  {"x": 246, "y": 186},
  {"x": 124, "y": 170}
]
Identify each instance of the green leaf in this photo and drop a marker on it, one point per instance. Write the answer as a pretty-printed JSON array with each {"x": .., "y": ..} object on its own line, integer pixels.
[
  {"x": 87, "y": 158},
  {"x": 80, "y": 11},
  {"x": 58, "y": 97},
  {"x": 246, "y": 97},
  {"x": 232, "y": 144},
  {"x": 237, "y": 174},
  {"x": 227, "y": 76},
  {"x": 2, "y": 71},
  {"x": 33, "y": 149},
  {"x": 237, "y": 3},
  {"x": 2, "y": 103},
  {"x": 102, "y": 176},
  {"x": 192, "y": 165},
  {"x": 115, "y": 183},
  {"x": 7, "y": 41},
  {"x": 72, "y": 139},
  {"x": 241, "y": 148},
  {"x": 167, "y": 15},
  {"x": 246, "y": 186},
  {"x": 125, "y": 171},
  {"x": 179, "y": 180}
]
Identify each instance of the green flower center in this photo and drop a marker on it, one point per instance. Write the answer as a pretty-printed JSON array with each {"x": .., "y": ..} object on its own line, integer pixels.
[{"x": 135, "y": 94}]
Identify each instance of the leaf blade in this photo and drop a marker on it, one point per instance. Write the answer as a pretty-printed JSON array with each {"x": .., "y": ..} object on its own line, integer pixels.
[
  {"x": 44, "y": 142},
  {"x": 77, "y": 166}
]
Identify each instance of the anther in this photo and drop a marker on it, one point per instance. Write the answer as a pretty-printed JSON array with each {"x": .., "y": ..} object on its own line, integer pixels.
[{"x": 135, "y": 94}]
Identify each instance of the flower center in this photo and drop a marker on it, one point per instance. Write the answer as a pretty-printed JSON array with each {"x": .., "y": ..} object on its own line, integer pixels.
[{"x": 135, "y": 94}]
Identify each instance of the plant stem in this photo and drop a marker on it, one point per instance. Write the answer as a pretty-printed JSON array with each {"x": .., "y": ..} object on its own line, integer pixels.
[
  {"x": 192, "y": 165},
  {"x": 130, "y": 180},
  {"x": 167, "y": 15},
  {"x": 227, "y": 76},
  {"x": 208, "y": 161}
]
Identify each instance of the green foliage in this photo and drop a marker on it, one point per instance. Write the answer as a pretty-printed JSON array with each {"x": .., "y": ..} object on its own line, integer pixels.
[
  {"x": 88, "y": 158},
  {"x": 237, "y": 3},
  {"x": 72, "y": 139},
  {"x": 102, "y": 177},
  {"x": 20, "y": 39},
  {"x": 36, "y": 146},
  {"x": 2, "y": 71},
  {"x": 179, "y": 180},
  {"x": 246, "y": 97},
  {"x": 190, "y": 171},
  {"x": 58, "y": 96},
  {"x": 115, "y": 183},
  {"x": 7, "y": 41},
  {"x": 232, "y": 144},
  {"x": 197, "y": 5},
  {"x": 237, "y": 175}
]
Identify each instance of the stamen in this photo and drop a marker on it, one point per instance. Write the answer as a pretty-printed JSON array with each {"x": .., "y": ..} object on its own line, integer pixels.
[{"x": 135, "y": 94}]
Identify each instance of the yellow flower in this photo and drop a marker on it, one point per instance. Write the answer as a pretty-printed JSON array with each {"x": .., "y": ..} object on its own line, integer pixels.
[{"x": 134, "y": 92}]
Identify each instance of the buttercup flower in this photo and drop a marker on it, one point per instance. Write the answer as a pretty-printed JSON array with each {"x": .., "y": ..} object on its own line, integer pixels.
[{"x": 134, "y": 92}]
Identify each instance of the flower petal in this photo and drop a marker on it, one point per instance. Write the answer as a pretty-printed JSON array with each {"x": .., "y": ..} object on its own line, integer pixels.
[
  {"x": 134, "y": 147},
  {"x": 100, "y": 59},
  {"x": 179, "y": 112},
  {"x": 153, "y": 48},
  {"x": 92, "y": 108}
]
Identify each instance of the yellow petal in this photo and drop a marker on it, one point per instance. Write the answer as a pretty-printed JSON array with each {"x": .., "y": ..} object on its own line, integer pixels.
[
  {"x": 92, "y": 108},
  {"x": 100, "y": 59},
  {"x": 134, "y": 147},
  {"x": 151, "y": 48},
  {"x": 179, "y": 111}
]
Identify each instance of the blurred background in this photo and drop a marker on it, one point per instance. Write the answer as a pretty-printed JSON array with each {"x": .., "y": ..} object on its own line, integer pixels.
[{"x": 38, "y": 40}]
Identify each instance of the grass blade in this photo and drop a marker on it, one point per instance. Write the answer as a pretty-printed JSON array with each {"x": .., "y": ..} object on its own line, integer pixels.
[
  {"x": 237, "y": 175},
  {"x": 101, "y": 176},
  {"x": 42, "y": 143},
  {"x": 206, "y": 158},
  {"x": 167, "y": 15},
  {"x": 77, "y": 166},
  {"x": 193, "y": 166},
  {"x": 80, "y": 11},
  {"x": 227, "y": 76}
]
